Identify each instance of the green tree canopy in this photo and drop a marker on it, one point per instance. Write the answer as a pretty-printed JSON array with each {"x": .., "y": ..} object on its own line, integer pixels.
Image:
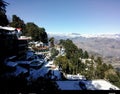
[
  {"x": 37, "y": 33},
  {"x": 17, "y": 23},
  {"x": 51, "y": 40},
  {"x": 3, "y": 18},
  {"x": 85, "y": 55}
]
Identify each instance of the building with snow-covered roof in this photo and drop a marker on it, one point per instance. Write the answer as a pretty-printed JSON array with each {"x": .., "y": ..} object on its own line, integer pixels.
[
  {"x": 10, "y": 44},
  {"x": 75, "y": 77},
  {"x": 99, "y": 84}
]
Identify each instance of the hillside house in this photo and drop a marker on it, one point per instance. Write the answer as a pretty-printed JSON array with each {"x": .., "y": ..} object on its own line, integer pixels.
[{"x": 11, "y": 44}]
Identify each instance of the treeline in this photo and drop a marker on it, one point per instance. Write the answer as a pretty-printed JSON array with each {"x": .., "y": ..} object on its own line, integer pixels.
[
  {"x": 3, "y": 17},
  {"x": 70, "y": 62},
  {"x": 78, "y": 61},
  {"x": 28, "y": 29}
]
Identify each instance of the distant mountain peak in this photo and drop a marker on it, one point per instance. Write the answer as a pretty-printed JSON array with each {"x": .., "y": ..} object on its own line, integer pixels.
[
  {"x": 75, "y": 35},
  {"x": 113, "y": 36}
]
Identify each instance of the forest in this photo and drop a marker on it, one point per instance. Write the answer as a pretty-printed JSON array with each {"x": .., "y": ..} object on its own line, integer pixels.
[{"x": 78, "y": 61}]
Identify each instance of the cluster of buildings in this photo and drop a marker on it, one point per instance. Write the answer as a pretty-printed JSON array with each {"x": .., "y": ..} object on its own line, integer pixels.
[
  {"x": 15, "y": 57},
  {"x": 11, "y": 36},
  {"x": 15, "y": 54}
]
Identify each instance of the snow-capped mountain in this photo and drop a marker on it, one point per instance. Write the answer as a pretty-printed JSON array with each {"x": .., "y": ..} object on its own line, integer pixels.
[
  {"x": 74, "y": 35},
  {"x": 113, "y": 36},
  {"x": 64, "y": 35}
]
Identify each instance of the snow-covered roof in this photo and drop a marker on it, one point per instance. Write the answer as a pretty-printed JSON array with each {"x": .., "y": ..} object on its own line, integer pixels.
[
  {"x": 23, "y": 62},
  {"x": 102, "y": 84},
  {"x": 56, "y": 74},
  {"x": 11, "y": 64},
  {"x": 50, "y": 64},
  {"x": 75, "y": 77},
  {"x": 19, "y": 70},
  {"x": 34, "y": 74},
  {"x": 7, "y": 28},
  {"x": 68, "y": 85}
]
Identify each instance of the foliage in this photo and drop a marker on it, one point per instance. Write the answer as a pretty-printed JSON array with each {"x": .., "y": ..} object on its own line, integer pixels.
[
  {"x": 54, "y": 52},
  {"x": 115, "y": 79},
  {"x": 3, "y": 18},
  {"x": 37, "y": 33},
  {"x": 99, "y": 60},
  {"x": 30, "y": 29},
  {"x": 51, "y": 40},
  {"x": 92, "y": 69},
  {"x": 17, "y": 23},
  {"x": 85, "y": 55},
  {"x": 70, "y": 48},
  {"x": 80, "y": 51}
]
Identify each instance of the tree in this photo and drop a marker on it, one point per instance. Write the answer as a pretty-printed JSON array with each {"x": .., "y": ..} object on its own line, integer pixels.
[
  {"x": 3, "y": 18},
  {"x": 85, "y": 55},
  {"x": 64, "y": 63},
  {"x": 51, "y": 40},
  {"x": 37, "y": 33},
  {"x": 99, "y": 60},
  {"x": 80, "y": 53},
  {"x": 43, "y": 35},
  {"x": 114, "y": 79},
  {"x": 17, "y": 23},
  {"x": 92, "y": 57},
  {"x": 54, "y": 52},
  {"x": 30, "y": 29}
]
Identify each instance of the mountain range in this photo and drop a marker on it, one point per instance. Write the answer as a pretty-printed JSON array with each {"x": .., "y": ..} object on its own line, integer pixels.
[
  {"x": 105, "y": 45},
  {"x": 74, "y": 35}
]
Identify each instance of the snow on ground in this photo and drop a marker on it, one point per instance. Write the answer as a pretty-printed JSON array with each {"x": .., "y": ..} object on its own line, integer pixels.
[{"x": 52, "y": 71}]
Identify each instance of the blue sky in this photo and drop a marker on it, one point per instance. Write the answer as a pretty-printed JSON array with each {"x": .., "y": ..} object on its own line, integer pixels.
[{"x": 69, "y": 16}]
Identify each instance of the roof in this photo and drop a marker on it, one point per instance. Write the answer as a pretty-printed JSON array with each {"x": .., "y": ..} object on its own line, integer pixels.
[
  {"x": 75, "y": 77},
  {"x": 7, "y": 28},
  {"x": 11, "y": 64},
  {"x": 99, "y": 84},
  {"x": 68, "y": 85}
]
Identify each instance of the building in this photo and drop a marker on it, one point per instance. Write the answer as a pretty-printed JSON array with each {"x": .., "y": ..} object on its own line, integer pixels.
[{"x": 11, "y": 44}]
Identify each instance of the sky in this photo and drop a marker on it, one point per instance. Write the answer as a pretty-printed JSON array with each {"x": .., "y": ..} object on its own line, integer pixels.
[{"x": 69, "y": 16}]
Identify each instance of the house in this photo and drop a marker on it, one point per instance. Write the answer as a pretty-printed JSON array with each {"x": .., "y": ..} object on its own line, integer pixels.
[{"x": 10, "y": 44}]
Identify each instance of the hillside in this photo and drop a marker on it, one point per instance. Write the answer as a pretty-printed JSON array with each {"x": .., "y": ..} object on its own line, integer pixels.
[{"x": 107, "y": 46}]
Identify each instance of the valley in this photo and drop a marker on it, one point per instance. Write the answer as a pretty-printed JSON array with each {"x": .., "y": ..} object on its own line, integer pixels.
[{"x": 106, "y": 46}]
